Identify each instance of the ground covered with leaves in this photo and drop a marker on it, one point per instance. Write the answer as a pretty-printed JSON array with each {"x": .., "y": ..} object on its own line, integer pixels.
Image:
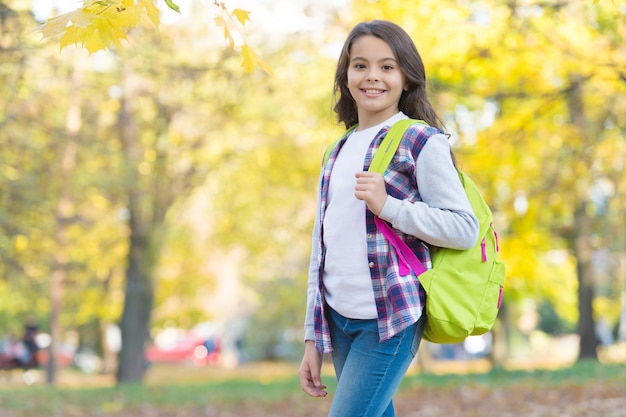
[
  {"x": 271, "y": 390},
  {"x": 515, "y": 401}
]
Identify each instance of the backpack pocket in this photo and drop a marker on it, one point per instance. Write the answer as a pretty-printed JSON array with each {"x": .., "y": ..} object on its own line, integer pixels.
[{"x": 492, "y": 300}]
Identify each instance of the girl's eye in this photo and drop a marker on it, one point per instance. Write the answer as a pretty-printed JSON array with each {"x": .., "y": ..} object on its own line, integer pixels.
[
  {"x": 387, "y": 67},
  {"x": 359, "y": 66}
]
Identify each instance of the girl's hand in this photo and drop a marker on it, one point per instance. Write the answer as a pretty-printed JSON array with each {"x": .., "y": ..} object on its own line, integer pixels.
[
  {"x": 310, "y": 370},
  {"x": 370, "y": 187}
]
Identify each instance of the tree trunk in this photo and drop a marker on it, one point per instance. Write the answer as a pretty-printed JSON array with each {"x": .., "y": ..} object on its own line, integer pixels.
[
  {"x": 57, "y": 280},
  {"x": 63, "y": 214},
  {"x": 583, "y": 228},
  {"x": 621, "y": 333},
  {"x": 150, "y": 195},
  {"x": 583, "y": 250},
  {"x": 501, "y": 339},
  {"x": 135, "y": 323},
  {"x": 139, "y": 291}
]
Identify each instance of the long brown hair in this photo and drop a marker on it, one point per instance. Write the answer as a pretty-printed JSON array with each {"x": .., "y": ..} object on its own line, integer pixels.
[{"x": 414, "y": 102}]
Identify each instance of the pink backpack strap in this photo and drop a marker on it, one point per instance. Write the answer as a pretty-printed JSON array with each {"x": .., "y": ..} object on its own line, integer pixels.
[{"x": 407, "y": 260}]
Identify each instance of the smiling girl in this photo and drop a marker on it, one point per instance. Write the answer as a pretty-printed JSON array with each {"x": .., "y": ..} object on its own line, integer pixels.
[{"x": 359, "y": 307}]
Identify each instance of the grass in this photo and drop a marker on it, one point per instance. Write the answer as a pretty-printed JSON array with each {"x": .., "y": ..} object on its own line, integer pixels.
[
  {"x": 165, "y": 386},
  {"x": 580, "y": 373},
  {"x": 267, "y": 383}
]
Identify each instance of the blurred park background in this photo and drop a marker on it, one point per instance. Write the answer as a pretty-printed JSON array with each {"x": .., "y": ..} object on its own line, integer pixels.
[{"x": 156, "y": 200}]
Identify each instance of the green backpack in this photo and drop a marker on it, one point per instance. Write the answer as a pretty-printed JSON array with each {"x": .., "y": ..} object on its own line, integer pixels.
[{"x": 464, "y": 287}]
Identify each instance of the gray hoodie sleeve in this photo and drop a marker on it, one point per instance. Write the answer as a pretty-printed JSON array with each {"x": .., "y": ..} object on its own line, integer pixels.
[
  {"x": 444, "y": 217},
  {"x": 312, "y": 287}
]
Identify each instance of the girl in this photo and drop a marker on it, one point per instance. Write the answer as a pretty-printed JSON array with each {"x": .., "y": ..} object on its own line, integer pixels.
[{"x": 358, "y": 306}]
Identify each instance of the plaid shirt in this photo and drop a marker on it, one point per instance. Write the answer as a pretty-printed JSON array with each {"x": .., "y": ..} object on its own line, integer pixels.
[{"x": 399, "y": 299}]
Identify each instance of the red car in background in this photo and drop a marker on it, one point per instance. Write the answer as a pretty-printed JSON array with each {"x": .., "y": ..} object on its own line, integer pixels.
[{"x": 190, "y": 349}]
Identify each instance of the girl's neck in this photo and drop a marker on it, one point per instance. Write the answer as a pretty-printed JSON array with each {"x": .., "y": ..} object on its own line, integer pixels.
[{"x": 370, "y": 120}]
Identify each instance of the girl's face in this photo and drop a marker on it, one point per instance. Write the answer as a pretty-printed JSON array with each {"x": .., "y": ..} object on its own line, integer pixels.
[{"x": 374, "y": 80}]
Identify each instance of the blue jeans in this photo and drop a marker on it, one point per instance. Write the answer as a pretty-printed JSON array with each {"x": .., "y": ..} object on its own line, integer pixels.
[{"x": 368, "y": 372}]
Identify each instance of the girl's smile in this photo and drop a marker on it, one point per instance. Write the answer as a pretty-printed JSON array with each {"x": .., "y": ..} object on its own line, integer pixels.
[
  {"x": 375, "y": 80},
  {"x": 373, "y": 92}
]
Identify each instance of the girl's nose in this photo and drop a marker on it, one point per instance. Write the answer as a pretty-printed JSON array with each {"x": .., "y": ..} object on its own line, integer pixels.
[{"x": 372, "y": 77}]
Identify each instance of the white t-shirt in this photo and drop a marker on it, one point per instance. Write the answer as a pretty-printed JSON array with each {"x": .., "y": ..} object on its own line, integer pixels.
[{"x": 347, "y": 278}]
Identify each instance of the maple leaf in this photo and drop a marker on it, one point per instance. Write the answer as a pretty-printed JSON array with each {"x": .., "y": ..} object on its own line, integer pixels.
[
  {"x": 251, "y": 61},
  {"x": 241, "y": 15},
  {"x": 56, "y": 25},
  {"x": 71, "y": 36},
  {"x": 153, "y": 12},
  {"x": 100, "y": 24},
  {"x": 220, "y": 21},
  {"x": 93, "y": 43},
  {"x": 128, "y": 17}
]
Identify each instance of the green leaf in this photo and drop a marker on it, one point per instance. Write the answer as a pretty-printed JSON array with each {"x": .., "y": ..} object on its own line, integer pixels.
[{"x": 172, "y": 5}]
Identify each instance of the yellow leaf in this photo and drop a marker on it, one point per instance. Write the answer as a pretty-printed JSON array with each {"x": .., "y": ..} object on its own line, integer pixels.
[
  {"x": 265, "y": 67},
  {"x": 72, "y": 36},
  {"x": 250, "y": 60},
  {"x": 109, "y": 30},
  {"x": 231, "y": 40},
  {"x": 56, "y": 25},
  {"x": 128, "y": 17},
  {"x": 83, "y": 18},
  {"x": 241, "y": 15},
  {"x": 102, "y": 29},
  {"x": 93, "y": 43},
  {"x": 98, "y": 7},
  {"x": 219, "y": 21},
  {"x": 153, "y": 12}
]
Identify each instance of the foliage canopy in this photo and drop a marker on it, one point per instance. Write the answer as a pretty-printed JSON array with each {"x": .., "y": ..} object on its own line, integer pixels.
[{"x": 103, "y": 24}]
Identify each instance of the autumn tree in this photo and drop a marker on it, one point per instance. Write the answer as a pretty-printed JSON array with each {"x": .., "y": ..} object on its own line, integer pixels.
[
  {"x": 170, "y": 115},
  {"x": 533, "y": 91},
  {"x": 55, "y": 221},
  {"x": 101, "y": 25}
]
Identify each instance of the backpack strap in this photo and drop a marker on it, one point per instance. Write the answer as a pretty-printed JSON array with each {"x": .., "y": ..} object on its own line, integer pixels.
[
  {"x": 387, "y": 149},
  {"x": 334, "y": 144},
  {"x": 407, "y": 260}
]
